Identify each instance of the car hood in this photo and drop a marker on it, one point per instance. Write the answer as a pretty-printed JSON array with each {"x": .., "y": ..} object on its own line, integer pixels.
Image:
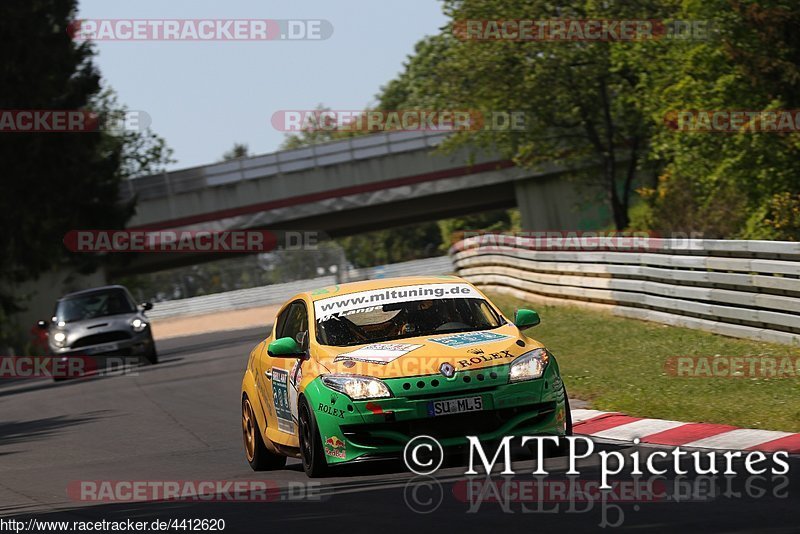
[
  {"x": 88, "y": 327},
  {"x": 425, "y": 355}
]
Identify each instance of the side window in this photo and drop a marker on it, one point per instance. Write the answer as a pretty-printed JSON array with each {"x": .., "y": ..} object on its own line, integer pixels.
[
  {"x": 296, "y": 321},
  {"x": 281, "y": 321}
]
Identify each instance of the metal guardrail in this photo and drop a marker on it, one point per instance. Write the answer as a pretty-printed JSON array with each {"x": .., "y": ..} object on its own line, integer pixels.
[
  {"x": 281, "y": 162},
  {"x": 279, "y": 293},
  {"x": 748, "y": 289}
]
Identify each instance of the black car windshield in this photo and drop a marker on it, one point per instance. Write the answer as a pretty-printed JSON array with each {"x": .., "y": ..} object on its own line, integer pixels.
[
  {"x": 400, "y": 320},
  {"x": 92, "y": 305}
]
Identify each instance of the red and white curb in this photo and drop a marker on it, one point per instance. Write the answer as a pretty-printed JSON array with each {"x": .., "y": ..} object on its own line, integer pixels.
[{"x": 617, "y": 426}]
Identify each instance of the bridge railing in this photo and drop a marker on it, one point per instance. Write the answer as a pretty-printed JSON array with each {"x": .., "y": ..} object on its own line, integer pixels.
[
  {"x": 748, "y": 289},
  {"x": 281, "y": 162}
]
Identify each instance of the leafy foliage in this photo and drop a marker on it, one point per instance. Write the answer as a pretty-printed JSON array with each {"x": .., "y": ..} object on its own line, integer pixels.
[{"x": 56, "y": 181}]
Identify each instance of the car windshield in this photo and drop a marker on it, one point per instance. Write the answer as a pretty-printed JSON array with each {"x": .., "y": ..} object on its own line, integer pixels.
[
  {"x": 92, "y": 305},
  {"x": 400, "y": 320}
]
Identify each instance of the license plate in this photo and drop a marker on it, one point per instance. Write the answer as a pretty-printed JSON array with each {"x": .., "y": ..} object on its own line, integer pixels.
[
  {"x": 452, "y": 406},
  {"x": 108, "y": 347}
]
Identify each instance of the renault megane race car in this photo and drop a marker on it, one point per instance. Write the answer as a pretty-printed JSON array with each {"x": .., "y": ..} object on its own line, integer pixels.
[{"x": 354, "y": 371}]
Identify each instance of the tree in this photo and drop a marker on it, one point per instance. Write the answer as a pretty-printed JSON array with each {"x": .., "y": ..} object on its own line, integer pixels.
[
  {"x": 239, "y": 150},
  {"x": 582, "y": 100},
  {"x": 729, "y": 185},
  {"x": 57, "y": 181}
]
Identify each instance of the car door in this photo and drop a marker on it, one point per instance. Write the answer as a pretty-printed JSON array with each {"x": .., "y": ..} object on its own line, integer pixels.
[
  {"x": 263, "y": 374},
  {"x": 281, "y": 375}
]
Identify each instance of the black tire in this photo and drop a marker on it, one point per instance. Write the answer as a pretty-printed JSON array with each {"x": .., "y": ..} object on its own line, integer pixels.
[
  {"x": 255, "y": 452},
  {"x": 314, "y": 463},
  {"x": 550, "y": 448},
  {"x": 152, "y": 354}
]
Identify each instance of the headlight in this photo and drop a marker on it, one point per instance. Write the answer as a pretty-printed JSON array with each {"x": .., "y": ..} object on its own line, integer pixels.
[
  {"x": 138, "y": 325},
  {"x": 528, "y": 366},
  {"x": 357, "y": 387},
  {"x": 59, "y": 338}
]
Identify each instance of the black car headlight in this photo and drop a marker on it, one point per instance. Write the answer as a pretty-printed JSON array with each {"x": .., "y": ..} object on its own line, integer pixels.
[{"x": 529, "y": 366}]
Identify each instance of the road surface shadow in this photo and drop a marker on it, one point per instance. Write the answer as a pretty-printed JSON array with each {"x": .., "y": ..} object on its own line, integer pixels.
[{"x": 23, "y": 431}]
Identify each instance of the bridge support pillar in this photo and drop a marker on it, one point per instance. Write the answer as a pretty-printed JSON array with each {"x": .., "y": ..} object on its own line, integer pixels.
[{"x": 557, "y": 203}]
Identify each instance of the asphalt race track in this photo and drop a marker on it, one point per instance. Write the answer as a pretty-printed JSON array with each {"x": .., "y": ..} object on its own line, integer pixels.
[{"x": 180, "y": 420}]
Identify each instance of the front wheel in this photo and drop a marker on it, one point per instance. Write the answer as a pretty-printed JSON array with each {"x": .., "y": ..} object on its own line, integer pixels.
[
  {"x": 550, "y": 448},
  {"x": 563, "y": 446},
  {"x": 152, "y": 355},
  {"x": 314, "y": 463},
  {"x": 257, "y": 454}
]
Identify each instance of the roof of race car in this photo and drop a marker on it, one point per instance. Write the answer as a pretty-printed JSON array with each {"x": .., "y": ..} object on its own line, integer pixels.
[{"x": 381, "y": 283}]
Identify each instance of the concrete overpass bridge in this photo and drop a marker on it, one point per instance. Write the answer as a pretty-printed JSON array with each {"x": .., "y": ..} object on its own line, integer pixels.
[
  {"x": 348, "y": 187},
  {"x": 338, "y": 188}
]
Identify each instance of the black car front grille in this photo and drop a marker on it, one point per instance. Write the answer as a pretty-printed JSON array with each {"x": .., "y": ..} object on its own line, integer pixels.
[
  {"x": 447, "y": 426},
  {"x": 97, "y": 339}
]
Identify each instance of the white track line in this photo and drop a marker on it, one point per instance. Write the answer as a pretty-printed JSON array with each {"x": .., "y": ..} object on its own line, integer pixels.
[
  {"x": 638, "y": 429},
  {"x": 739, "y": 439}
]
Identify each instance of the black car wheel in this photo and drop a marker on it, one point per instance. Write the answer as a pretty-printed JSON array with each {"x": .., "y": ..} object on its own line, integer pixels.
[
  {"x": 151, "y": 355},
  {"x": 314, "y": 463},
  {"x": 550, "y": 448}
]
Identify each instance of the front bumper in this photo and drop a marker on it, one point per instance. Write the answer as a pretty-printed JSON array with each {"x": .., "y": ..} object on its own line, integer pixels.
[
  {"x": 140, "y": 343},
  {"x": 359, "y": 429}
]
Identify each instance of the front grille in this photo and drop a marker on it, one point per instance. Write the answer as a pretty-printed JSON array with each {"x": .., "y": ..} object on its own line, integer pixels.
[
  {"x": 446, "y": 426},
  {"x": 97, "y": 339}
]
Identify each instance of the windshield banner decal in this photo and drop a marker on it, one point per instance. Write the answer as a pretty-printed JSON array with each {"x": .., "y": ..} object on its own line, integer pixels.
[
  {"x": 379, "y": 353},
  {"x": 324, "y": 309}
]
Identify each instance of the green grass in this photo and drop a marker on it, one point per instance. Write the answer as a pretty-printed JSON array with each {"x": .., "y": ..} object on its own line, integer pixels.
[{"x": 618, "y": 364}]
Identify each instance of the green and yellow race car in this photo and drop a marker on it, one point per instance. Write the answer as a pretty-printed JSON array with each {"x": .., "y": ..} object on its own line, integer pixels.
[{"x": 354, "y": 371}]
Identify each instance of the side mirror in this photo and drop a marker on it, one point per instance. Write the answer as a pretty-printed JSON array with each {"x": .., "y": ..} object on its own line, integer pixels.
[
  {"x": 146, "y": 306},
  {"x": 526, "y": 318},
  {"x": 285, "y": 347},
  {"x": 42, "y": 324}
]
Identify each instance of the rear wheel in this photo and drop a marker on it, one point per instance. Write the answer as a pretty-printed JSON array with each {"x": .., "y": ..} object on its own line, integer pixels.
[
  {"x": 314, "y": 463},
  {"x": 257, "y": 454}
]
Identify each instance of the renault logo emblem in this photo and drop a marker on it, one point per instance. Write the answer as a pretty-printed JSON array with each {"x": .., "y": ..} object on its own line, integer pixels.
[{"x": 447, "y": 370}]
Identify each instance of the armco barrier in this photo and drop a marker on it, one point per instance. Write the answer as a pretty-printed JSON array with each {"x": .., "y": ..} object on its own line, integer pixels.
[
  {"x": 279, "y": 293},
  {"x": 748, "y": 289}
]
